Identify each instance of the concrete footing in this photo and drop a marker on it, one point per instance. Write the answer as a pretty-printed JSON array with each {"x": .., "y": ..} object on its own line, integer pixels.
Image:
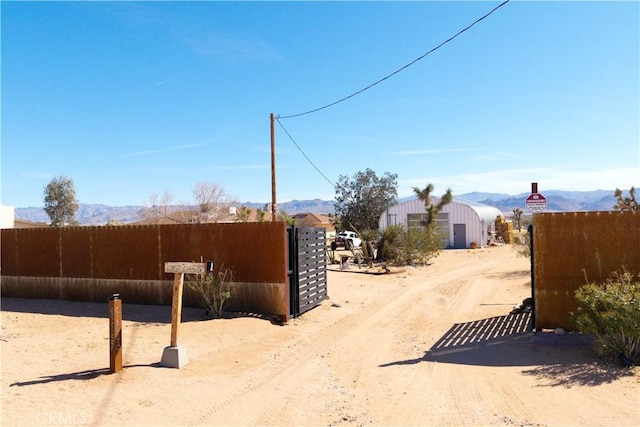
[{"x": 174, "y": 357}]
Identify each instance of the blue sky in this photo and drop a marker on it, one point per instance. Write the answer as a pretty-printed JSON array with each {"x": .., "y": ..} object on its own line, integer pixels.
[{"x": 132, "y": 99}]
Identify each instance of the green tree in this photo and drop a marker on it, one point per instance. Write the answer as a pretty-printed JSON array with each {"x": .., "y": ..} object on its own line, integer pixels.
[
  {"x": 362, "y": 199},
  {"x": 431, "y": 209},
  {"x": 60, "y": 202},
  {"x": 243, "y": 214},
  {"x": 285, "y": 217},
  {"x": 517, "y": 214},
  {"x": 626, "y": 203}
]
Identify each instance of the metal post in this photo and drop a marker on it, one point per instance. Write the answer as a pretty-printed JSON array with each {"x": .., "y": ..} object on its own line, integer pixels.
[
  {"x": 273, "y": 169},
  {"x": 533, "y": 278},
  {"x": 115, "y": 333}
]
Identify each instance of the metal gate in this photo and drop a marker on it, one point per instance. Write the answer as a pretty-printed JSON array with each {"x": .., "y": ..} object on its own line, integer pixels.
[{"x": 307, "y": 257}]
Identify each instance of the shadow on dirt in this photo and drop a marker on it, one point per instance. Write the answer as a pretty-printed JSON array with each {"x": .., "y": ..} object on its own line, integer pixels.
[
  {"x": 82, "y": 375},
  {"x": 562, "y": 360},
  {"x": 133, "y": 312},
  {"x": 158, "y": 314}
]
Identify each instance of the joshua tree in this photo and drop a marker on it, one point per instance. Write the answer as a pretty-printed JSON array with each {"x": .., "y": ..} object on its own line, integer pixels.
[
  {"x": 431, "y": 209},
  {"x": 517, "y": 214},
  {"x": 626, "y": 203}
]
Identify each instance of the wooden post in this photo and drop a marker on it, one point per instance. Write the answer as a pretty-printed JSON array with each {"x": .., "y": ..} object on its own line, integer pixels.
[
  {"x": 115, "y": 334},
  {"x": 176, "y": 307},
  {"x": 175, "y": 356}
]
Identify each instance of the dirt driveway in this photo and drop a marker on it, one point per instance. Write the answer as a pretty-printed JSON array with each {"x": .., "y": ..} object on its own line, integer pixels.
[{"x": 430, "y": 346}]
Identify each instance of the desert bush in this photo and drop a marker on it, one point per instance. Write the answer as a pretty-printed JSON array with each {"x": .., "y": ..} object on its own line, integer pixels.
[
  {"x": 214, "y": 290},
  {"x": 610, "y": 311},
  {"x": 368, "y": 237},
  {"x": 389, "y": 238},
  {"x": 410, "y": 247},
  {"x": 522, "y": 244}
]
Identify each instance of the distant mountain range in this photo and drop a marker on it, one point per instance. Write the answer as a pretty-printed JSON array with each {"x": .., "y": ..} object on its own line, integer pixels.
[{"x": 557, "y": 200}]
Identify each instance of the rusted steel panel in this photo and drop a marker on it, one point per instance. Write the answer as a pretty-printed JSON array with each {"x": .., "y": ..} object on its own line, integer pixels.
[
  {"x": 96, "y": 262},
  {"x": 76, "y": 251},
  {"x": 8, "y": 253},
  {"x": 36, "y": 253},
  {"x": 572, "y": 248},
  {"x": 129, "y": 252},
  {"x": 254, "y": 251},
  {"x": 263, "y": 298}
]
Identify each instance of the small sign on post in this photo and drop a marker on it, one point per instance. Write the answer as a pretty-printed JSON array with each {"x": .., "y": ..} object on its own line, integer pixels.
[
  {"x": 115, "y": 333},
  {"x": 536, "y": 202},
  {"x": 175, "y": 356}
]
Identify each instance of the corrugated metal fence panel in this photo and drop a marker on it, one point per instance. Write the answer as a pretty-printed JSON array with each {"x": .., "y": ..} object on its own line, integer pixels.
[
  {"x": 312, "y": 267},
  {"x": 573, "y": 247},
  {"x": 31, "y": 252},
  {"x": 126, "y": 252},
  {"x": 76, "y": 254},
  {"x": 255, "y": 251}
]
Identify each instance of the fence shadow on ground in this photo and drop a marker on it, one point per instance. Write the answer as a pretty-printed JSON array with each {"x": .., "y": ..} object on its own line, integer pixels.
[
  {"x": 131, "y": 312},
  {"x": 509, "y": 341},
  {"x": 480, "y": 342},
  {"x": 160, "y": 314}
]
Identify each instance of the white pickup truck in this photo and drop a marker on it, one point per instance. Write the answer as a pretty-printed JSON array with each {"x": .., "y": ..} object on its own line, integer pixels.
[{"x": 348, "y": 239}]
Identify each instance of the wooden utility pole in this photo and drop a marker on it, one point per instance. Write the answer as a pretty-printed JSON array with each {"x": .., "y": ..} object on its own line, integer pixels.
[{"x": 273, "y": 169}]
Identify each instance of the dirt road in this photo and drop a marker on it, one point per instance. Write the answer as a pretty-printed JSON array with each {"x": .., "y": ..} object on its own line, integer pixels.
[{"x": 428, "y": 346}]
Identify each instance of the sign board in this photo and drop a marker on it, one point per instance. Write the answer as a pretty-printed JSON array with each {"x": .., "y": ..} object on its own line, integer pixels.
[
  {"x": 536, "y": 202},
  {"x": 185, "y": 267}
]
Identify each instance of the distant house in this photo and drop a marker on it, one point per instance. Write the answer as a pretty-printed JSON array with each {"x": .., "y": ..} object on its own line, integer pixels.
[
  {"x": 7, "y": 216},
  {"x": 8, "y": 219},
  {"x": 461, "y": 221},
  {"x": 309, "y": 219},
  {"x": 243, "y": 214},
  {"x": 231, "y": 214},
  {"x": 23, "y": 223},
  {"x": 234, "y": 214}
]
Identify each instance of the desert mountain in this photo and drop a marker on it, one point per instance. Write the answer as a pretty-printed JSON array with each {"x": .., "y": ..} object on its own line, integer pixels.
[{"x": 557, "y": 200}]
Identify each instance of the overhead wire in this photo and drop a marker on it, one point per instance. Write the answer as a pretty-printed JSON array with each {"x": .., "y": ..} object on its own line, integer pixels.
[
  {"x": 468, "y": 27},
  {"x": 303, "y": 153},
  {"x": 278, "y": 117}
]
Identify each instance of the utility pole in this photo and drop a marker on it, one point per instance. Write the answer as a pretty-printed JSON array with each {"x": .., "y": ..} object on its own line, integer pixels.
[{"x": 273, "y": 169}]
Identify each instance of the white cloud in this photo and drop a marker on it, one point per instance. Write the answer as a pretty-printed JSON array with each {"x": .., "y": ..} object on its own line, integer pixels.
[
  {"x": 516, "y": 181},
  {"x": 429, "y": 151},
  {"x": 214, "y": 45}
]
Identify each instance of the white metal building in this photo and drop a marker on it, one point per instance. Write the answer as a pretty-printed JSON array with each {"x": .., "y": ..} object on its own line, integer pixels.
[{"x": 462, "y": 221}]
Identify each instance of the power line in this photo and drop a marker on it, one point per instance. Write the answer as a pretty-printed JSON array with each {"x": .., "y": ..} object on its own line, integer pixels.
[
  {"x": 398, "y": 70},
  {"x": 303, "y": 153}
]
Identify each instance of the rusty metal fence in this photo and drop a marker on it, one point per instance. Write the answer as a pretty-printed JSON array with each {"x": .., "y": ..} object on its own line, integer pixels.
[
  {"x": 92, "y": 263},
  {"x": 573, "y": 247}
]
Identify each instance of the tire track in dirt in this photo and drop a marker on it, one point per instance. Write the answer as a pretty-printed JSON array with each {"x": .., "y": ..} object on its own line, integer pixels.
[
  {"x": 281, "y": 373},
  {"x": 461, "y": 298}
]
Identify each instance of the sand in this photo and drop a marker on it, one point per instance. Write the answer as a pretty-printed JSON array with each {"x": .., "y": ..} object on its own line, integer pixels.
[{"x": 431, "y": 345}]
